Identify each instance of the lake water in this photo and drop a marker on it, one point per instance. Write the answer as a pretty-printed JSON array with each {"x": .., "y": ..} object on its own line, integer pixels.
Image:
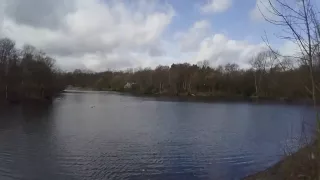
[{"x": 99, "y": 135}]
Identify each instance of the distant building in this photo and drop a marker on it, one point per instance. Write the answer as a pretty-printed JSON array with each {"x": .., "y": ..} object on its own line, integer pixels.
[
  {"x": 70, "y": 87},
  {"x": 128, "y": 85}
]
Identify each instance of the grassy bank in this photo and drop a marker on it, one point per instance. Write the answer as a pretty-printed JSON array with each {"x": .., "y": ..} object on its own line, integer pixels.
[{"x": 301, "y": 165}]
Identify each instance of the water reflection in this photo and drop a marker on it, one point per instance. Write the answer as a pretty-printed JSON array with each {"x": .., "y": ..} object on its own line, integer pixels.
[{"x": 109, "y": 136}]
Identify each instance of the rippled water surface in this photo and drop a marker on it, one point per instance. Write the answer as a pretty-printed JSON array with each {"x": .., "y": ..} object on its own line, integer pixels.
[{"x": 111, "y": 136}]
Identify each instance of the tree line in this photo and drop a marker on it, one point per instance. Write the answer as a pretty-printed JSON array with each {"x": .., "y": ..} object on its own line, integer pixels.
[
  {"x": 27, "y": 73},
  {"x": 30, "y": 73},
  {"x": 268, "y": 77},
  {"x": 271, "y": 74}
]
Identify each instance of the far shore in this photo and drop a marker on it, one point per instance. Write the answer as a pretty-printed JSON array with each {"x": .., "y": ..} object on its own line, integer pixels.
[{"x": 202, "y": 98}]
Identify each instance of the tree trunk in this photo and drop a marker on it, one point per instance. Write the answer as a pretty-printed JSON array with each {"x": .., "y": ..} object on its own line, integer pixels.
[
  {"x": 6, "y": 92},
  {"x": 255, "y": 83}
]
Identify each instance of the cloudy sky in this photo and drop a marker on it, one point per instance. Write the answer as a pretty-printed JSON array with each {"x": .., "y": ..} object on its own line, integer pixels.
[{"x": 120, "y": 34}]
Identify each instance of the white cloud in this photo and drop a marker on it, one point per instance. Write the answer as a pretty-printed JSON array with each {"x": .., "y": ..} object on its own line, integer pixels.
[
  {"x": 219, "y": 49},
  {"x": 39, "y": 13},
  {"x": 289, "y": 48},
  {"x": 216, "y": 6},
  {"x": 261, "y": 11},
  {"x": 2, "y": 8},
  {"x": 200, "y": 43},
  {"x": 190, "y": 39},
  {"x": 94, "y": 32},
  {"x": 100, "y": 35}
]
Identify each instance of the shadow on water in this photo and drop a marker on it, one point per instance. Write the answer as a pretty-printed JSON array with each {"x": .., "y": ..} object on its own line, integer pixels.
[
  {"x": 29, "y": 147},
  {"x": 110, "y": 136},
  {"x": 27, "y": 111}
]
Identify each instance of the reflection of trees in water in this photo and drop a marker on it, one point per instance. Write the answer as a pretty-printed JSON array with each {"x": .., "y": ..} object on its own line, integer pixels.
[
  {"x": 24, "y": 115},
  {"x": 29, "y": 137},
  {"x": 36, "y": 118},
  {"x": 32, "y": 111},
  {"x": 8, "y": 115}
]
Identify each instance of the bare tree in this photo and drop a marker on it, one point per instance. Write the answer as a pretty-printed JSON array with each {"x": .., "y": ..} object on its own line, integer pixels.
[
  {"x": 203, "y": 64},
  {"x": 161, "y": 77},
  {"x": 300, "y": 25},
  {"x": 262, "y": 64},
  {"x": 7, "y": 53}
]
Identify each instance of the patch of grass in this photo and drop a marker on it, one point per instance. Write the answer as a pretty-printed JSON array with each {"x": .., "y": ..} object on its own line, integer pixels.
[{"x": 303, "y": 165}]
